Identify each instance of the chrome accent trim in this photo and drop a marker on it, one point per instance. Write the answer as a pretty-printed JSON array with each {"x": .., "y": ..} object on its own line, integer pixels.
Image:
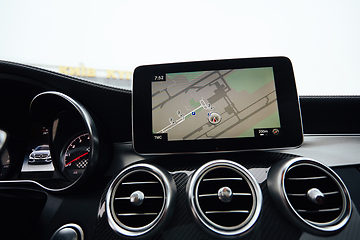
[
  {"x": 3, "y": 137},
  {"x": 331, "y": 193},
  {"x": 321, "y": 210},
  {"x": 231, "y": 211},
  {"x": 122, "y": 198},
  {"x": 276, "y": 185},
  {"x": 136, "y": 214},
  {"x": 217, "y": 179},
  {"x": 216, "y": 195},
  {"x": 242, "y": 194},
  {"x": 297, "y": 194},
  {"x": 304, "y": 194},
  {"x": 146, "y": 197},
  {"x": 307, "y": 178},
  {"x": 169, "y": 197},
  {"x": 73, "y": 226},
  {"x": 193, "y": 196},
  {"x": 148, "y": 182},
  {"x": 208, "y": 195}
]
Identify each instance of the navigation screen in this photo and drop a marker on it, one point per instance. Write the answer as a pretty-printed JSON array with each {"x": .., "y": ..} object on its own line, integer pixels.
[
  {"x": 215, "y": 106},
  {"x": 233, "y": 103}
]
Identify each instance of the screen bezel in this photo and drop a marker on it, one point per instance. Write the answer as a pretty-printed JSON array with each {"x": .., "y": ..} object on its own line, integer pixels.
[{"x": 287, "y": 98}]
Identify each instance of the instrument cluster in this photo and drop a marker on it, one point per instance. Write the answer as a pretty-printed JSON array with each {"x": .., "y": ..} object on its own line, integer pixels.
[{"x": 63, "y": 147}]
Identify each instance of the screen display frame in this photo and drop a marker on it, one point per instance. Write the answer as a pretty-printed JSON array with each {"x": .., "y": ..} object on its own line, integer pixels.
[{"x": 291, "y": 133}]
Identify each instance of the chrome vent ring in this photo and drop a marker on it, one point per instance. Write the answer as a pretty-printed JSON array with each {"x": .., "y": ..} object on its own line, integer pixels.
[
  {"x": 140, "y": 199},
  {"x": 225, "y": 197},
  {"x": 311, "y": 194}
]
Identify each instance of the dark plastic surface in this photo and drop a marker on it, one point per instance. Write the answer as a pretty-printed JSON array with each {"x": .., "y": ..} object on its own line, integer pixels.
[{"x": 330, "y": 114}]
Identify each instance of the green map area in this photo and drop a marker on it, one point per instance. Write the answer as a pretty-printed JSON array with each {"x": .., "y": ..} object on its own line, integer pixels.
[{"x": 249, "y": 80}]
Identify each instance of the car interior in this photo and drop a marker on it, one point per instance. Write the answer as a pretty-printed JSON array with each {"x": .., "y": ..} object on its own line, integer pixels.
[{"x": 123, "y": 167}]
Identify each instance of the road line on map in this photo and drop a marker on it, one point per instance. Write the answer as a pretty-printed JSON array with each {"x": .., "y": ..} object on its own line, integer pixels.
[{"x": 180, "y": 120}]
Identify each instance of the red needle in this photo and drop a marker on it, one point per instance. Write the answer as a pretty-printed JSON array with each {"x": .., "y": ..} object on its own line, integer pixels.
[{"x": 76, "y": 159}]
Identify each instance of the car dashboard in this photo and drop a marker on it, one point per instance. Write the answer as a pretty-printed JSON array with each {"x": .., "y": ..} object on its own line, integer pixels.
[{"x": 95, "y": 186}]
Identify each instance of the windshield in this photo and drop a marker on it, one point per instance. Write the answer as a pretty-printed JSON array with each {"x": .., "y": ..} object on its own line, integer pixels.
[
  {"x": 104, "y": 41},
  {"x": 42, "y": 147}
]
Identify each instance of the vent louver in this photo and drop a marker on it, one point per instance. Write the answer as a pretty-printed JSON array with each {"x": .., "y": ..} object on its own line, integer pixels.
[
  {"x": 140, "y": 198},
  {"x": 313, "y": 192},
  {"x": 225, "y": 197}
]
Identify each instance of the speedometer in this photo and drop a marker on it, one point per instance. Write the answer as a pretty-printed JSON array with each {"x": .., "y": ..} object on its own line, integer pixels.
[{"x": 76, "y": 156}]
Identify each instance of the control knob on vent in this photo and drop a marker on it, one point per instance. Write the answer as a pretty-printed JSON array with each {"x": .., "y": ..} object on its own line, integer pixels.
[
  {"x": 316, "y": 196},
  {"x": 137, "y": 198},
  {"x": 225, "y": 194}
]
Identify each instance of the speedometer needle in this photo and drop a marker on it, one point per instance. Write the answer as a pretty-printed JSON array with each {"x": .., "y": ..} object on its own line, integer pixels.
[{"x": 76, "y": 159}]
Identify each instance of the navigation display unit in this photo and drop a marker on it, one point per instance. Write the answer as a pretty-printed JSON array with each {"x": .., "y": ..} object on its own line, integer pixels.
[{"x": 220, "y": 105}]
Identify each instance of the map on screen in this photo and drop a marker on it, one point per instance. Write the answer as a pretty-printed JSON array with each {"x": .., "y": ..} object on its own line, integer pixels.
[{"x": 233, "y": 103}]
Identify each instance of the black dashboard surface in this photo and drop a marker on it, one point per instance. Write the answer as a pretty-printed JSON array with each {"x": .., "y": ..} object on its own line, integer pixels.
[{"x": 32, "y": 211}]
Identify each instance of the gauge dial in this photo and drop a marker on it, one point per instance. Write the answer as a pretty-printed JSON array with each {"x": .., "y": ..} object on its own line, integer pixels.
[{"x": 76, "y": 156}]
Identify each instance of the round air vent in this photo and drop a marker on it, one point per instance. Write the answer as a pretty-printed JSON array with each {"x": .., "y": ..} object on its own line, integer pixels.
[
  {"x": 311, "y": 194},
  {"x": 225, "y": 197},
  {"x": 139, "y": 199}
]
